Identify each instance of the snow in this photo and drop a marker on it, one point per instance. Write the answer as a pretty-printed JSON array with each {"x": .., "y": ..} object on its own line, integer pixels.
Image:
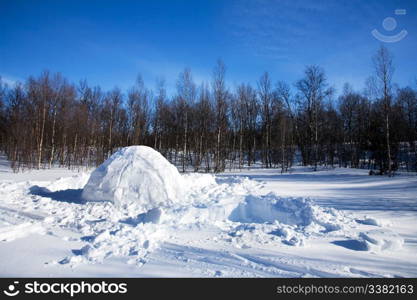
[
  {"x": 254, "y": 223},
  {"x": 379, "y": 240},
  {"x": 9, "y": 233},
  {"x": 135, "y": 179}
]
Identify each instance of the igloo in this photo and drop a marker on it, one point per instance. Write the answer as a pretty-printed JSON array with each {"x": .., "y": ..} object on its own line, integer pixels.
[{"x": 137, "y": 179}]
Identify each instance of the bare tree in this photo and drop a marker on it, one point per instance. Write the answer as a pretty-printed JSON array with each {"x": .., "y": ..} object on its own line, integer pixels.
[
  {"x": 48, "y": 121},
  {"x": 220, "y": 95},
  {"x": 266, "y": 100},
  {"x": 138, "y": 112},
  {"x": 313, "y": 89},
  {"x": 384, "y": 70}
]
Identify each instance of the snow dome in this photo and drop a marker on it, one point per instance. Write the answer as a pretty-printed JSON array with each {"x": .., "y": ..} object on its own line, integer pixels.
[{"x": 135, "y": 178}]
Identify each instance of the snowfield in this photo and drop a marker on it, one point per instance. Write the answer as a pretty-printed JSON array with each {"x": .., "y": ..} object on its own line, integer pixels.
[{"x": 250, "y": 223}]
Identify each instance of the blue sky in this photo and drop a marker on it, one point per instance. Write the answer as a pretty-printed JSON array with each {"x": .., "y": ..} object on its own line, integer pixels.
[{"x": 110, "y": 42}]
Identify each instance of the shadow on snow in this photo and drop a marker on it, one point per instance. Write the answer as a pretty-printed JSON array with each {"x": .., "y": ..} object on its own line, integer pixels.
[{"x": 69, "y": 196}]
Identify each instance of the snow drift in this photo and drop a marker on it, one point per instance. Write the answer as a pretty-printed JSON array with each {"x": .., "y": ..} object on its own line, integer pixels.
[{"x": 136, "y": 179}]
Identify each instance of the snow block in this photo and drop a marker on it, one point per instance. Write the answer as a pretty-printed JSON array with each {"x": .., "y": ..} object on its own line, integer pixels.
[{"x": 136, "y": 179}]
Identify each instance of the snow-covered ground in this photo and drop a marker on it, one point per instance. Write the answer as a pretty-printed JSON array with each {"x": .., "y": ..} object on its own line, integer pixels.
[{"x": 254, "y": 223}]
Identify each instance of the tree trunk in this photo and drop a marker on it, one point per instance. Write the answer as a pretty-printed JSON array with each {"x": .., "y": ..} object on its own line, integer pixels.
[
  {"x": 51, "y": 158},
  {"x": 40, "y": 146}
]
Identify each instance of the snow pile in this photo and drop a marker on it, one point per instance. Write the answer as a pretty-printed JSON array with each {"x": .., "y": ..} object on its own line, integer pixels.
[
  {"x": 237, "y": 206},
  {"x": 120, "y": 241},
  {"x": 233, "y": 205},
  {"x": 270, "y": 208},
  {"x": 381, "y": 240},
  {"x": 292, "y": 220},
  {"x": 73, "y": 182},
  {"x": 136, "y": 179},
  {"x": 210, "y": 199}
]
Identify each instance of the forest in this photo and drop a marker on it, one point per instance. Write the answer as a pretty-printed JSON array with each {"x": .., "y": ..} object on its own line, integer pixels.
[{"x": 48, "y": 121}]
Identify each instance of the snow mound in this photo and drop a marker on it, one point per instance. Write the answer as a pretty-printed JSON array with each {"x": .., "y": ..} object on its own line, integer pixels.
[
  {"x": 381, "y": 240},
  {"x": 270, "y": 208},
  {"x": 300, "y": 212},
  {"x": 136, "y": 179}
]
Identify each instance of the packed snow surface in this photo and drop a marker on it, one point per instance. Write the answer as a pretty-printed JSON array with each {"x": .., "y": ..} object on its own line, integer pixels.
[
  {"x": 136, "y": 179},
  {"x": 246, "y": 224}
]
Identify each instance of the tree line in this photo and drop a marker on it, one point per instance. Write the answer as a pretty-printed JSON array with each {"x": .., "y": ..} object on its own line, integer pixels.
[{"x": 49, "y": 121}]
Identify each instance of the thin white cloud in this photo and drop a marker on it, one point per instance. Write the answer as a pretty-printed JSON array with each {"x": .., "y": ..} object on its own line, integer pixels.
[
  {"x": 279, "y": 30},
  {"x": 269, "y": 28},
  {"x": 9, "y": 80}
]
